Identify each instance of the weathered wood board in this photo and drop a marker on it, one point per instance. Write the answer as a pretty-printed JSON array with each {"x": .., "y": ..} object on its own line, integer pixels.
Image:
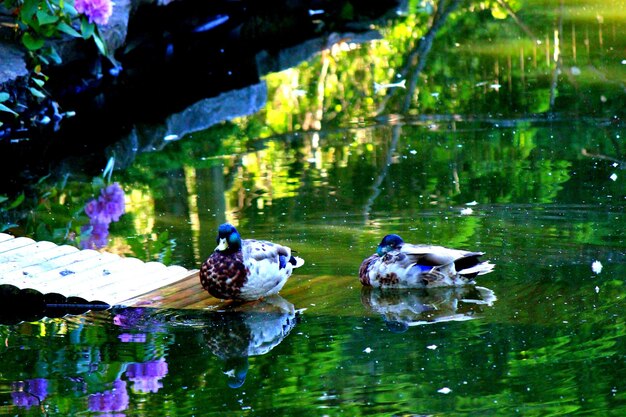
[{"x": 89, "y": 274}]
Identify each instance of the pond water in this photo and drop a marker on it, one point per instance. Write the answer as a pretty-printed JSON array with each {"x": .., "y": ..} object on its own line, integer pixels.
[{"x": 507, "y": 145}]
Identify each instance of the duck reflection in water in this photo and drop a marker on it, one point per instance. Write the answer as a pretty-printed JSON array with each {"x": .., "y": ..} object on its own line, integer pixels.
[
  {"x": 233, "y": 331},
  {"x": 239, "y": 331},
  {"x": 404, "y": 308}
]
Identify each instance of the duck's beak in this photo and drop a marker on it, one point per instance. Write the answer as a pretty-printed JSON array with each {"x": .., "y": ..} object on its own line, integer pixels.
[{"x": 223, "y": 245}]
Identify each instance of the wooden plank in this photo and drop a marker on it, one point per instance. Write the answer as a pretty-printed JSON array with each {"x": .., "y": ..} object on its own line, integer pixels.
[
  {"x": 15, "y": 243},
  {"x": 90, "y": 274},
  {"x": 96, "y": 283},
  {"x": 25, "y": 255},
  {"x": 70, "y": 279},
  {"x": 5, "y": 236},
  {"x": 173, "y": 274},
  {"x": 136, "y": 284},
  {"x": 43, "y": 255},
  {"x": 48, "y": 271},
  {"x": 66, "y": 260},
  {"x": 176, "y": 295},
  {"x": 60, "y": 273},
  {"x": 120, "y": 277}
]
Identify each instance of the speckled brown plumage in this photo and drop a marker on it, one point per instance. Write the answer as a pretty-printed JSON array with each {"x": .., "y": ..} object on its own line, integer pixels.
[
  {"x": 363, "y": 276},
  {"x": 223, "y": 276}
]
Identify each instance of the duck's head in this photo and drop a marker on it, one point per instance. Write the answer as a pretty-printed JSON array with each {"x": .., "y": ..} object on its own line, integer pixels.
[
  {"x": 389, "y": 243},
  {"x": 228, "y": 239}
]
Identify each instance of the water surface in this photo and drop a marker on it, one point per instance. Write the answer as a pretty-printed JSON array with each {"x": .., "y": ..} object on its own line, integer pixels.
[{"x": 539, "y": 163}]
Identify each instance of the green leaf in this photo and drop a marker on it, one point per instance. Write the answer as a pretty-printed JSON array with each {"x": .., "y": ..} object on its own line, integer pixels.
[
  {"x": 3, "y": 198},
  {"x": 39, "y": 82},
  {"x": 68, "y": 8},
  {"x": 4, "y": 96},
  {"x": 45, "y": 18},
  {"x": 43, "y": 59},
  {"x": 37, "y": 93},
  {"x": 101, "y": 45},
  {"x": 28, "y": 10},
  {"x": 54, "y": 55},
  {"x": 87, "y": 29},
  {"x": 17, "y": 202},
  {"x": 6, "y": 109},
  {"x": 67, "y": 29},
  {"x": 32, "y": 43}
]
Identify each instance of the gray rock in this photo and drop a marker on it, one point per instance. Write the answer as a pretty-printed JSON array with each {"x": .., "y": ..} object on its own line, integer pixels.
[
  {"x": 199, "y": 116},
  {"x": 13, "y": 63}
]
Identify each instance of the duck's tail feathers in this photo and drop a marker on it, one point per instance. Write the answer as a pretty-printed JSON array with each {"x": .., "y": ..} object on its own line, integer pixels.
[
  {"x": 478, "y": 269},
  {"x": 296, "y": 261}
]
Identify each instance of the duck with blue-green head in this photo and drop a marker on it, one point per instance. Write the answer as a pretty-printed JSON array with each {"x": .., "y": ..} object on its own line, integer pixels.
[
  {"x": 397, "y": 264},
  {"x": 246, "y": 269}
]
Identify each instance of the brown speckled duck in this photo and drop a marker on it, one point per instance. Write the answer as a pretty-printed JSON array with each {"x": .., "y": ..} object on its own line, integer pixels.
[
  {"x": 402, "y": 265},
  {"x": 246, "y": 269}
]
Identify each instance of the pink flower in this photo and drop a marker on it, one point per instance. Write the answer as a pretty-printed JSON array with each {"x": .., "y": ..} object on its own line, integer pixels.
[{"x": 98, "y": 11}]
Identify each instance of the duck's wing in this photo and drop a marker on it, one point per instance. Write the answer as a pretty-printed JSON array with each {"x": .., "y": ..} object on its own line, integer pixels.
[
  {"x": 466, "y": 263},
  {"x": 262, "y": 250},
  {"x": 431, "y": 255},
  {"x": 428, "y": 255}
]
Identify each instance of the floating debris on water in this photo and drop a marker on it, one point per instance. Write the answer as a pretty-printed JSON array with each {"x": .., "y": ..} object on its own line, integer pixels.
[
  {"x": 399, "y": 84},
  {"x": 472, "y": 203},
  {"x": 466, "y": 211},
  {"x": 431, "y": 347},
  {"x": 367, "y": 350},
  {"x": 597, "y": 289},
  {"x": 596, "y": 267},
  {"x": 444, "y": 390},
  {"x": 613, "y": 176}
]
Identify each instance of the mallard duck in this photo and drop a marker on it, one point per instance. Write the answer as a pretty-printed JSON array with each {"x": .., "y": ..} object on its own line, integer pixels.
[
  {"x": 402, "y": 265},
  {"x": 246, "y": 269}
]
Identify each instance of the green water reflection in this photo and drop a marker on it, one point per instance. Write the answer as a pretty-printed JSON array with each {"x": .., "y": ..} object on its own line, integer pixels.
[{"x": 540, "y": 163}]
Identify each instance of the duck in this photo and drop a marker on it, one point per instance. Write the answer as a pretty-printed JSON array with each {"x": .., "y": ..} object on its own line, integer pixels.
[
  {"x": 397, "y": 264},
  {"x": 248, "y": 269}
]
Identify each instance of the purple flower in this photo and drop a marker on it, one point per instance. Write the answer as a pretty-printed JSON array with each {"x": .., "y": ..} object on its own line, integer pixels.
[
  {"x": 112, "y": 199},
  {"x": 107, "y": 208},
  {"x": 29, "y": 393},
  {"x": 98, "y": 237},
  {"x": 98, "y": 11},
  {"x": 115, "y": 399},
  {"x": 91, "y": 208},
  {"x": 146, "y": 376}
]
